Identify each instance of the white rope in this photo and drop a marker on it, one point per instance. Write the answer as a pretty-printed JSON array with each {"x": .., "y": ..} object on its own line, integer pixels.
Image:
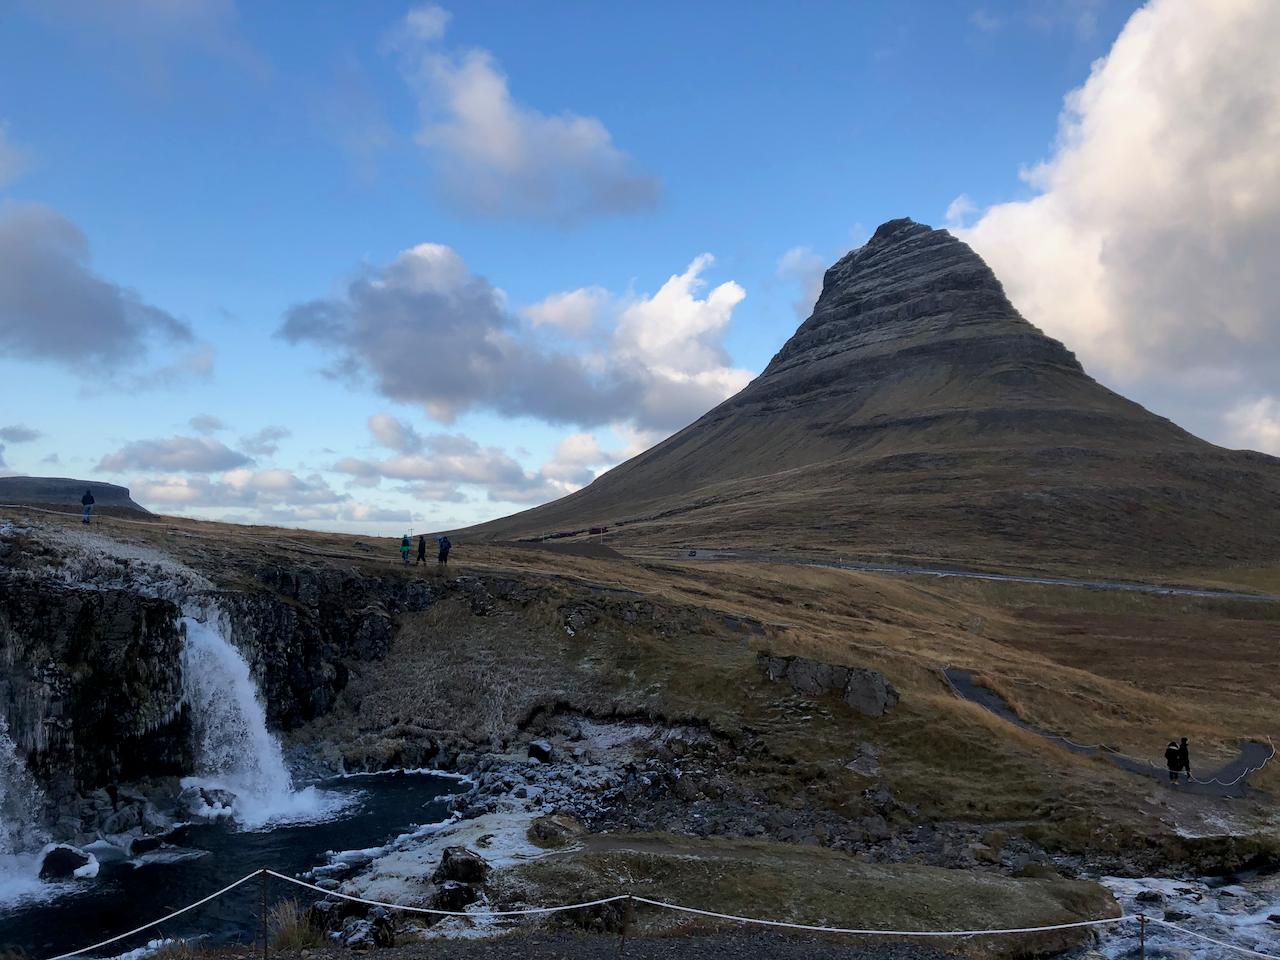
[
  {"x": 479, "y": 914},
  {"x": 663, "y": 905},
  {"x": 96, "y": 518},
  {"x": 1247, "y": 773},
  {"x": 883, "y": 933},
  {"x": 1220, "y": 943},
  {"x": 147, "y": 926}
]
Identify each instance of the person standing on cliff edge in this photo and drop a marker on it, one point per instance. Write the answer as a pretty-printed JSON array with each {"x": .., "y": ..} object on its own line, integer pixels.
[{"x": 87, "y": 502}]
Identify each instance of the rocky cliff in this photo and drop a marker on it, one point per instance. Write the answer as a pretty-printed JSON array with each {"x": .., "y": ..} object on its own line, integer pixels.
[{"x": 917, "y": 414}]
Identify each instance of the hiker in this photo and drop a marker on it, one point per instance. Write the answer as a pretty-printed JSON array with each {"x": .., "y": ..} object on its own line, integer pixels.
[
  {"x": 1184, "y": 757},
  {"x": 445, "y": 546},
  {"x": 87, "y": 502},
  {"x": 405, "y": 547},
  {"x": 422, "y": 548},
  {"x": 1173, "y": 758}
]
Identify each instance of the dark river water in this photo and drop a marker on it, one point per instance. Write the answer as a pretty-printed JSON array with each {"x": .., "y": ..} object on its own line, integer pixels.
[{"x": 125, "y": 895}]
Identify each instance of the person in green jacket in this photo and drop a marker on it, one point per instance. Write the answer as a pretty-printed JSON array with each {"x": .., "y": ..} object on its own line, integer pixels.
[{"x": 405, "y": 547}]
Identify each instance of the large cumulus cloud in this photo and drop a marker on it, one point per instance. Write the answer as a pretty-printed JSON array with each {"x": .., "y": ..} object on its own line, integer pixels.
[
  {"x": 1151, "y": 243},
  {"x": 428, "y": 331}
]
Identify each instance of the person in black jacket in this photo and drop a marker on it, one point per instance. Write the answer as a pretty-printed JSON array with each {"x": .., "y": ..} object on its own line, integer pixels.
[
  {"x": 1173, "y": 758},
  {"x": 87, "y": 502},
  {"x": 422, "y": 549},
  {"x": 1184, "y": 757}
]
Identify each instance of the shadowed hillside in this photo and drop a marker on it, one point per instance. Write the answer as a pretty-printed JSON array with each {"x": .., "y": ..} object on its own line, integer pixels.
[
  {"x": 916, "y": 414},
  {"x": 62, "y": 493}
]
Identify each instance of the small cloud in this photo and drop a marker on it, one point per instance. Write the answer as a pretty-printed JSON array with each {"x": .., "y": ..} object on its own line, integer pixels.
[
  {"x": 801, "y": 265},
  {"x": 52, "y": 458},
  {"x": 19, "y": 434},
  {"x": 206, "y": 423},
  {"x": 395, "y": 434},
  {"x": 496, "y": 157},
  {"x": 985, "y": 20},
  {"x": 959, "y": 210},
  {"x": 265, "y": 442},
  {"x": 192, "y": 454}
]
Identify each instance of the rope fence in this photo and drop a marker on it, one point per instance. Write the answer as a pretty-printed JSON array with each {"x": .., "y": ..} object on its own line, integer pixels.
[{"x": 631, "y": 900}]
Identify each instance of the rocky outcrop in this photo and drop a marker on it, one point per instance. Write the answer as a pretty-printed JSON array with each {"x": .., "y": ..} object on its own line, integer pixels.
[
  {"x": 862, "y": 688},
  {"x": 92, "y": 684}
]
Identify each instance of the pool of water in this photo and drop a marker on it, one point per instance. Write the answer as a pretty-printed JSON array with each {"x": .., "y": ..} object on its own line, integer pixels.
[{"x": 209, "y": 856}]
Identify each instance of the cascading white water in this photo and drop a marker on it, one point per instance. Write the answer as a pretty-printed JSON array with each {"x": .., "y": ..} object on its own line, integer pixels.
[
  {"x": 235, "y": 752},
  {"x": 21, "y": 838}
]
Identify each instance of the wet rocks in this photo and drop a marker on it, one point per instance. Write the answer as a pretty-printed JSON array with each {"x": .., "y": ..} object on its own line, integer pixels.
[
  {"x": 62, "y": 861},
  {"x": 461, "y": 865},
  {"x": 376, "y": 929},
  {"x": 555, "y": 831},
  {"x": 863, "y": 689}
]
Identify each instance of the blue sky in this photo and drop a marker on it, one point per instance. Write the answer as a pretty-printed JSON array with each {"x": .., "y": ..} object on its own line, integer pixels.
[{"x": 299, "y": 217}]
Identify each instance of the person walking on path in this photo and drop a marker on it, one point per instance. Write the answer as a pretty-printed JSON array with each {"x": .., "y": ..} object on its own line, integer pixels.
[
  {"x": 1173, "y": 759},
  {"x": 442, "y": 558},
  {"x": 405, "y": 547},
  {"x": 87, "y": 502},
  {"x": 422, "y": 549},
  {"x": 1184, "y": 757}
]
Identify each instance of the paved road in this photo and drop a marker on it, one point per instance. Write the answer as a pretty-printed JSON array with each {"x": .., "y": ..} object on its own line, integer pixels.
[
  {"x": 914, "y": 571},
  {"x": 1232, "y": 780}
]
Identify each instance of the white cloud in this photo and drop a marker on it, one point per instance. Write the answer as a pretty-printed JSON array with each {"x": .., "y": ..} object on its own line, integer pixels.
[
  {"x": 426, "y": 330},
  {"x": 1151, "y": 245},
  {"x": 54, "y": 308},
  {"x": 959, "y": 210},
  {"x": 1255, "y": 425},
  {"x": 193, "y": 454},
  {"x": 13, "y": 159},
  {"x": 17, "y": 433},
  {"x": 575, "y": 311},
  {"x": 496, "y": 157},
  {"x": 265, "y": 442},
  {"x": 805, "y": 267},
  {"x": 395, "y": 434},
  {"x": 206, "y": 423},
  {"x": 575, "y": 460}
]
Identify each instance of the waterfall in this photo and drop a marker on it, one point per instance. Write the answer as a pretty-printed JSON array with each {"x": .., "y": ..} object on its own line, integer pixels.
[
  {"x": 240, "y": 770},
  {"x": 21, "y": 838}
]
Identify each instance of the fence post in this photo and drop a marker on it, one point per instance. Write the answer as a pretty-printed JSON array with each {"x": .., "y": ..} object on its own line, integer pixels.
[
  {"x": 263, "y": 873},
  {"x": 1142, "y": 934},
  {"x": 626, "y": 924}
]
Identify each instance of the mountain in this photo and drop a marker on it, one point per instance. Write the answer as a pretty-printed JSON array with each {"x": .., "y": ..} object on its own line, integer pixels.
[
  {"x": 917, "y": 415},
  {"x": 62, "y": 493}
]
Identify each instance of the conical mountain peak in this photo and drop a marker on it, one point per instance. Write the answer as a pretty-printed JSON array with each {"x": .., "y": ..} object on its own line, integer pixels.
[{"x": 917, "y": 413}]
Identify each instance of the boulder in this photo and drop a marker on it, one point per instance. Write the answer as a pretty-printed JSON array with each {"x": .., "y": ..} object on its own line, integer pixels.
[
  {"x": 61, "y": 862},
  {"x": 541, "y": 751},
  {"x": 868, "y": 692},
  {"x": 454, "y": 896},
  {"x": 555, "y": 830},
  {"x": 461, "y": 865}
]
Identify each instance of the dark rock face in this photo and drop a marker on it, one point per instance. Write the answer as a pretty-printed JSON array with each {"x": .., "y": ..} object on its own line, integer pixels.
[
  {"x": 92, "y": 687},
  {"x": 297, "y": 635},
  {"x": 862, "y": 688}
]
